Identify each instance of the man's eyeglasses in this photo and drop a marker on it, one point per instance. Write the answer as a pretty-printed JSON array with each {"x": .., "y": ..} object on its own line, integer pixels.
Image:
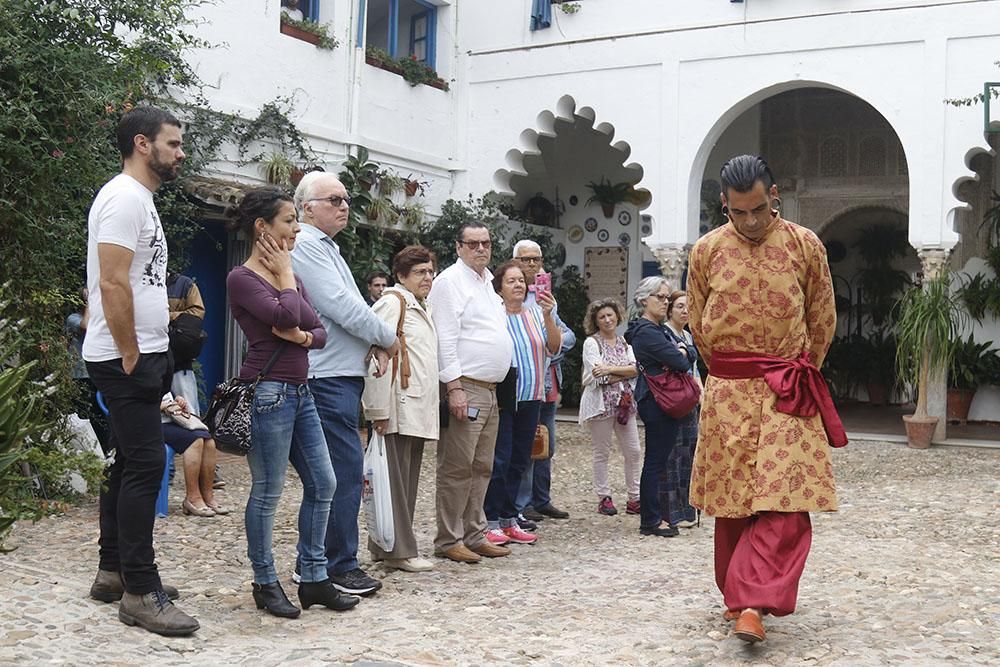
[
  {"x": 472, "y": 245},
  {"x": 530, "y": 260},
  {"x": 335, "y": 200}
]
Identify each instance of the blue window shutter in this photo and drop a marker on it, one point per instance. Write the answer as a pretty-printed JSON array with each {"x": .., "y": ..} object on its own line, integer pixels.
[
  {"x": 393, "y": 27},
  {"x": 312, "y": 10}
]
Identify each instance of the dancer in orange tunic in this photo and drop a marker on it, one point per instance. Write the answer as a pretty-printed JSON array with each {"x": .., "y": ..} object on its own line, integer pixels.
[{"x": 762, "y": 314}]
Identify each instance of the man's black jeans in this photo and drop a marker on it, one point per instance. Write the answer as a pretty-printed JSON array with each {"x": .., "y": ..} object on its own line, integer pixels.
[{"x": 128, "y": 501}]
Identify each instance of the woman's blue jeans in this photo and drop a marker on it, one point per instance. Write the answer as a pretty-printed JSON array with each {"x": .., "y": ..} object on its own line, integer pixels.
[
  {"x": 510, "y": 459},
  {"x": 286, "y": 428}
]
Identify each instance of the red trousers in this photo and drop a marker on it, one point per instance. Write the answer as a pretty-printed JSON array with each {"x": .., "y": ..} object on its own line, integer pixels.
[{"x": 759, "y": 560}]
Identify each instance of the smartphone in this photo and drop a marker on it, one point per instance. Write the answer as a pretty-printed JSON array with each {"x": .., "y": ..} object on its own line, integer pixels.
[
  {"x": 543, "y": 282},
  {"x": 472, "y": 413}
]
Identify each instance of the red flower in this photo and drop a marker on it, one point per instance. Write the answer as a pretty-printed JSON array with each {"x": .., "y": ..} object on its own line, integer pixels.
[{"x": 56, "y": 153}]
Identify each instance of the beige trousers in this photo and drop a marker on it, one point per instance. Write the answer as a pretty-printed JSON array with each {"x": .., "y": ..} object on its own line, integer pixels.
[
  {"x": 628, "y": 441},
  {"x": 464, "y": 466},
  {"x": 404, "y": 454}
]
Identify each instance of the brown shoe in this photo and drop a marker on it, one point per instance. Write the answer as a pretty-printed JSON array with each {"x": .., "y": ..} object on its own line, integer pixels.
[
  {"x": 491, "y": 550},
  {"x": 108, "y": 587},
  {"x": 460, "y": 554},
  {"x": 731, "y": 614},
  {"x": 749, "y": 627}
]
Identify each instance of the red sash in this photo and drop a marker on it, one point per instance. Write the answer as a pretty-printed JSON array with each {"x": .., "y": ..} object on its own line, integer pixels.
[{"x": 800, "y": 387}]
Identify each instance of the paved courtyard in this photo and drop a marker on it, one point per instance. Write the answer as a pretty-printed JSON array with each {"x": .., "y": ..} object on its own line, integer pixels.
[{"x": 907, "y": 572}]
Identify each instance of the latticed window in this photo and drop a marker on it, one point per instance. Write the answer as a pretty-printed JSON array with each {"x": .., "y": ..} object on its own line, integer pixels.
[
  {"x": 833, "y": 157},
  {"x": 871, "y": 157}
]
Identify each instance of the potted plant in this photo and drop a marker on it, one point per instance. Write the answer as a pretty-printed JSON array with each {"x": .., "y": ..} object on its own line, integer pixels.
[
  {"x": 308, "y": 31},
  {"x": 608, "y": 195},
  {"x": 359, "y": 171},
  {"x": 380, "y": 208},
  {"x": 971, "y": 366},
  {"x": 412, "y": 186},
  {"x": 278, "y": 170},
  {"x": 928, "y": 322},
  {"x": 389, "y": 183},
  {"x": 411, "y": 214}
]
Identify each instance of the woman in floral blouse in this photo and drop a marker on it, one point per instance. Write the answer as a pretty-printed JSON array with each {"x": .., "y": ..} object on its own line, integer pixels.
[{"x": 607, "y": 405}]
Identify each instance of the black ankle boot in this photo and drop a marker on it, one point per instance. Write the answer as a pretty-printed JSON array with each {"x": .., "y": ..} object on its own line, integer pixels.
[
  {"x": 272, "y": 598},
  {"x": 323, "y": 592}
]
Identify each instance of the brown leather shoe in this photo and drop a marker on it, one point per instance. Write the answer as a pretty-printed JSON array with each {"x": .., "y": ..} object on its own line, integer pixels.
[
  {"x": 460, "y": 554},
  {"x": 749, "y": 627},
  {"x": 491, "y": 550},
  {"x": 731, "y": 614}
]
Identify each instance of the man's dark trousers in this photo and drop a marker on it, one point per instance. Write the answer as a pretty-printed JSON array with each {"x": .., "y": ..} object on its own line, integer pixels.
[{"x": 132, "y": 482}]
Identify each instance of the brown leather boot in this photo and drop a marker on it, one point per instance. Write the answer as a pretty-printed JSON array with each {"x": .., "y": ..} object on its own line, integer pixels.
[
  {"x": 491, "y": 550},
  {"x": 108, "y": 587},
  {"x": 156, "y": 613}
]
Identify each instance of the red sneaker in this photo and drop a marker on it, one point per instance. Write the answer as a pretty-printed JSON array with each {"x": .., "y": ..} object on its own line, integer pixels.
[
  {"x": 496, "y": 536},
  {"x": 632, "y": 507},
  {"x": 606, "y": 507},
  {"x": 518, "y": 536}
]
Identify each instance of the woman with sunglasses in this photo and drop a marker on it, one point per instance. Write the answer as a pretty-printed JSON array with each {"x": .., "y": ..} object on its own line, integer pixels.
[{"x": 655, "y": 352}]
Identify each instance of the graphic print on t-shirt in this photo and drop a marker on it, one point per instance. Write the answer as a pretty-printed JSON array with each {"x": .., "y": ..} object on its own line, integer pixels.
[{"x": 154, "y": 273}]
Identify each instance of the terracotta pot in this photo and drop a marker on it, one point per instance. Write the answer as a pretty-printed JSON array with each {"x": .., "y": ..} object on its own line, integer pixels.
[
  {"x": 919, "y": 431},
  {"x": 959, "y": 402},
  {"x": 297, "y": 175},
  {"x": 878, "y": 393},
  {"x": 609, "y": 210},
  {"x": 410, "y": 187}
]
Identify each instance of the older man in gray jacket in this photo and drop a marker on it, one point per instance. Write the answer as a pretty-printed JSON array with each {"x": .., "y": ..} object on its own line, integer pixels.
[{"x": 337, "y": 372}]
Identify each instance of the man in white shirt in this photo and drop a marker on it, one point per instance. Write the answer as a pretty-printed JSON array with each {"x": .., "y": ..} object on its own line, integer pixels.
[
  {"x": 474, "y": 353},
  {"x": 127, "y": 359}
]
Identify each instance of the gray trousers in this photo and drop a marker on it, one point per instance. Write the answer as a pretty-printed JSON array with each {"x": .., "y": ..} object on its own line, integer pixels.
[{"x": 404, "y": 454}]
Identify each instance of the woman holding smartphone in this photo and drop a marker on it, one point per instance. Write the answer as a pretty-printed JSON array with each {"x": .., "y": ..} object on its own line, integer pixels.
[{"x": 536, "y": 338}]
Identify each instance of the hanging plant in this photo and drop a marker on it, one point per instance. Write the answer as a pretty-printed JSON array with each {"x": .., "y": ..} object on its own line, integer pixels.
[{"x": 608, "y": 195}]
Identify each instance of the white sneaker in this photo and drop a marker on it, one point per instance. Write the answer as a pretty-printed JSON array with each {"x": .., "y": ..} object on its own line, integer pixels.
[{"x": 409, "y": 564}]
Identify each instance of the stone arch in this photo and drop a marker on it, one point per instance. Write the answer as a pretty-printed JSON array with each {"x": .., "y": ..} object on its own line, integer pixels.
[
  {"x": 727, "y": 118},
  {"x": 526, "y": 158}
]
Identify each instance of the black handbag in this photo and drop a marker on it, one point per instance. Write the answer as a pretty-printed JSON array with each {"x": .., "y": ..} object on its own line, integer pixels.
[{"x": 230, "y": 413}]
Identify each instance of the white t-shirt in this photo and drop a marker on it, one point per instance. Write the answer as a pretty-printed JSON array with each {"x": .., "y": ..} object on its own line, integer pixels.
[{"x": 123, "y": 214}]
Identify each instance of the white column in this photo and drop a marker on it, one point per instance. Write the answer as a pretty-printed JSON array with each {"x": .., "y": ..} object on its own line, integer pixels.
[
  {"x": 932, "y": 261},
  {"x": 673, "y": 258}
]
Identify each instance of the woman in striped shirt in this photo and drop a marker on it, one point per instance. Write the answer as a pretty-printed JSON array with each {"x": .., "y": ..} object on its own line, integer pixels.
[{"x": 536, "y": 338}]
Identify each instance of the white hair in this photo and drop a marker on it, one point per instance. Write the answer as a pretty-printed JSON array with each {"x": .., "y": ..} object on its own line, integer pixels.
[
  {"x": 307, "y": 188},
  {"x": 646, "y": 287},
  {"x": 525, "y": 244}
]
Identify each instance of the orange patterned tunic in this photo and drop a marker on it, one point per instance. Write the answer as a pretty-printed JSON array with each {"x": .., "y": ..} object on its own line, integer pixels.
[{"x": 773, "y": 296}]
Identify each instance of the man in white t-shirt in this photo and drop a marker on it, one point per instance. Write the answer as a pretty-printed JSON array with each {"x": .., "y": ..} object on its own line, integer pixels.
[{"x": 127, "y": 359}]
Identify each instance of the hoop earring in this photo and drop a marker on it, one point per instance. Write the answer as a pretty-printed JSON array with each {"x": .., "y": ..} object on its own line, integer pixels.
[
  {"x": 777, "y": 203},
  {"x": 725, "y": 211}
]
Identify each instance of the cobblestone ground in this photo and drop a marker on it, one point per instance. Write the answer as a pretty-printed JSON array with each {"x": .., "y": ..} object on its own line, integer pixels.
[{"x": 906, "y": 572}]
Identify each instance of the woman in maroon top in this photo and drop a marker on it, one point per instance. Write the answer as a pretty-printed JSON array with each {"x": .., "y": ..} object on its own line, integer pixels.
[{"x": 273, "y": 310}]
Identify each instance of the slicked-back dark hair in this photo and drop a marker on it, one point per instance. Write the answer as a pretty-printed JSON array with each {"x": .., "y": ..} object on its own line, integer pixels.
[
  {"x": 741, "y": 172},
  {"x": 468, "y": 224},
  {"x": 144, "y": 120}
]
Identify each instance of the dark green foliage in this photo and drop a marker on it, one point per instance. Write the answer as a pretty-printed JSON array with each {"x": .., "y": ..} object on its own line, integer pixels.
[
  {"x": 973, "y": 365},
  {"x": 571, "y": 294},
  {"x": 68, "y": 69},
  {"x": 881, "y": 284}
]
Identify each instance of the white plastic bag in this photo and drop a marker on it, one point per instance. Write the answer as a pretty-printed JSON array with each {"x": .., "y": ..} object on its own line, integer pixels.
[{"x": 376, "y": 495}]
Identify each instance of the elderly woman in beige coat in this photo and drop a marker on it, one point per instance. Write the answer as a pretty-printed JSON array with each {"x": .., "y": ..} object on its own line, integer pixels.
[{"x": 402, "y": 404}]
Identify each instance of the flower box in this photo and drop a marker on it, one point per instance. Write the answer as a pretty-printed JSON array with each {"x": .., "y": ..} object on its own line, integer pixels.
[{"x": 299, "y": 33}]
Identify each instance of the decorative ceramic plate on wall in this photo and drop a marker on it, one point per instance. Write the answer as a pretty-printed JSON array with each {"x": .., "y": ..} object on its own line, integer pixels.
[
  {"x": 624, "y": 218},
  {"x": 590, "y": 224},
  {"x": 575, "y": 234},
  {"x": 559, "y": 256},
  {"x": 603, "y": 235},
  {"x": 624, "y": 239}
]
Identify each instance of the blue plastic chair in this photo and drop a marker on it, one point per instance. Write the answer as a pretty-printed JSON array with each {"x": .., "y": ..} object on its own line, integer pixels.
[{"x": 162, "y": 500}]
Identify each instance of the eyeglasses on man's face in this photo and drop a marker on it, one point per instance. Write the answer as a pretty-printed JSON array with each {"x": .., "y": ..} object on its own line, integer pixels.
[
  {"x": 534, "y": 259},
  {"x": 472, "y": 245},
  {"x": 335, "y": 200}
]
